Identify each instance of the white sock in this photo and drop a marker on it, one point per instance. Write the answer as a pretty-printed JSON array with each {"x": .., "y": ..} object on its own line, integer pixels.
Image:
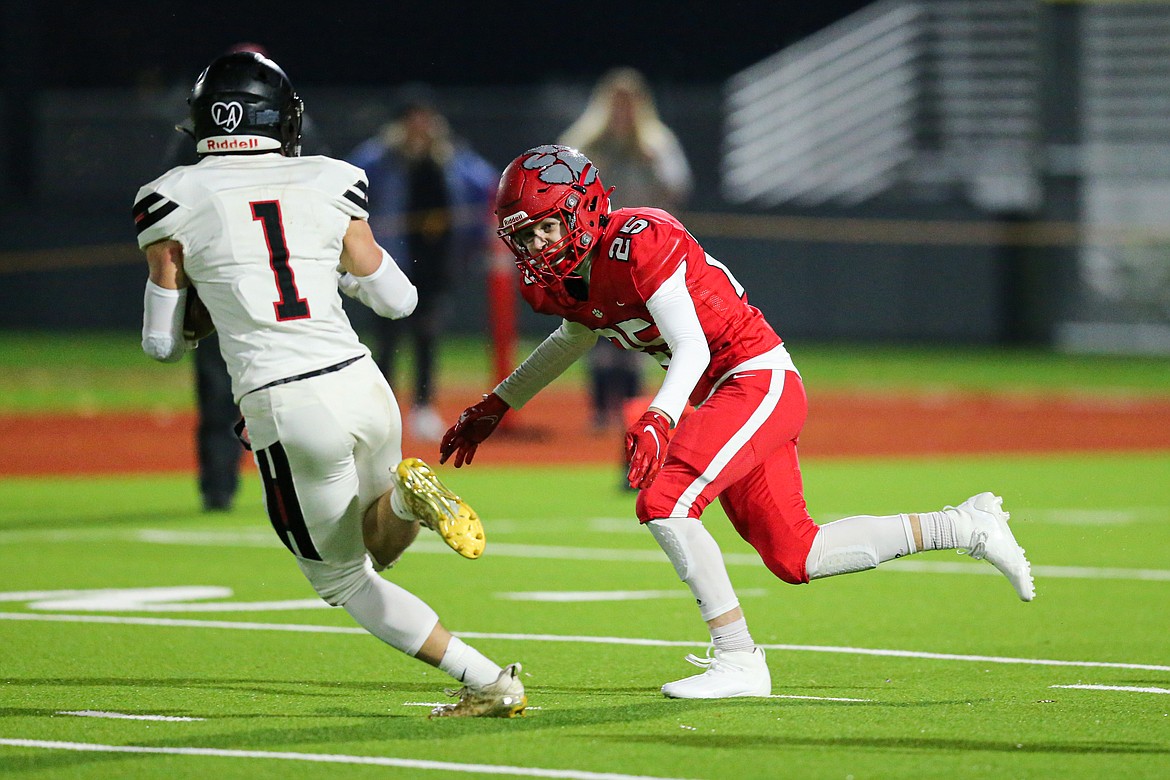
[
  {"x": 938, "y": 531},
  {"x": 393, "y": 614},
  {"x": 399, "y": 506},
  {"x": 468, "y": 665},
  {"x": 733, "y": 637}
]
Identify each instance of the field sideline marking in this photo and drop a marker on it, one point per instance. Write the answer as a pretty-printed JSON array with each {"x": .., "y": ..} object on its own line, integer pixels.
[
  {"x": 1126, "y": 688},
  {"x": 330, "y": 758},
  {"x": 127, "y": 716},
  {"x": 601, "y": 640},
  {"x": 260, "y": 538}
]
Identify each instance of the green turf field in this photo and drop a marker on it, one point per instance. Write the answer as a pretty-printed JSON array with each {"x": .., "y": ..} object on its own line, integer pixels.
[
  {"x": 120, "y": 599},
  {"x": 108, "y": 372}
]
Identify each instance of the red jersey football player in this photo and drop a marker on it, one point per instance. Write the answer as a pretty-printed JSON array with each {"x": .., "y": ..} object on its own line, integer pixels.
[{"x": 638, "y": 278}]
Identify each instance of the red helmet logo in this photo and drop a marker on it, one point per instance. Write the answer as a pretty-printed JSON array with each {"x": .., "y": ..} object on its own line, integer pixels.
[{"x": 559, "y": 182}]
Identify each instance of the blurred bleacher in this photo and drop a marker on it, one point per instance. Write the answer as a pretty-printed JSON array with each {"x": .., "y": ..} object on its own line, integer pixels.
[{"x": 957, "y": 171}]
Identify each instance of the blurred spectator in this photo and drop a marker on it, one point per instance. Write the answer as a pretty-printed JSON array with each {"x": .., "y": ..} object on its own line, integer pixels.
[
  {"x": 430, "y": 202},
  {"x": 217, "y": 448},
  {"x": 620, "y": 131}
]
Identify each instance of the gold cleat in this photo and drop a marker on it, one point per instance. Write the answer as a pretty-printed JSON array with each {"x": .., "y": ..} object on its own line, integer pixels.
[
  {"x": 504, "y": 698},
  {"x": 438, "y": 509}
]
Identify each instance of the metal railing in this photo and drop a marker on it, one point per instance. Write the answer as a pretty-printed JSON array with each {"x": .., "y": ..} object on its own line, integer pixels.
[
  {"x": 900, "y": 94},
  {"x": 828, "y": 118}
]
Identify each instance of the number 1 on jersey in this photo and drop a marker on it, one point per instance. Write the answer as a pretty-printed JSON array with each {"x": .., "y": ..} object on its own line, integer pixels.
[{"x": 290, "y": 306}]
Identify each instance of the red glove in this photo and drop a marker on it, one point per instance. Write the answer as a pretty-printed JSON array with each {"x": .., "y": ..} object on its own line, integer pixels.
[
  {"x": 646, "y": 448},
  {"x": 475, "y": 424}
]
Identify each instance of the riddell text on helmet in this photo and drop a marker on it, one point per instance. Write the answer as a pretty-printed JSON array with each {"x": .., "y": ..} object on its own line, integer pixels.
[{"x": 232, "y": 143}]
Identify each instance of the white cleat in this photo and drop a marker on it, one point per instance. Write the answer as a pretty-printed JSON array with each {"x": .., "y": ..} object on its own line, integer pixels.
[
  {"x": 730, "y": 674},
  {"x": 991, "y": 539},
  {"x": 502, "y": 698}
]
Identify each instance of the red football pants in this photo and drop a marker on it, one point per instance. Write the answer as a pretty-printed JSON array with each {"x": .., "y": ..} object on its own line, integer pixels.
[{"x": 740, "y": 446}]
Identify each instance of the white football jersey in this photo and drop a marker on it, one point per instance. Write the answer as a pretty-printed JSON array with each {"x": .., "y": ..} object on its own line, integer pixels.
[{"x": 262, "y": 238}]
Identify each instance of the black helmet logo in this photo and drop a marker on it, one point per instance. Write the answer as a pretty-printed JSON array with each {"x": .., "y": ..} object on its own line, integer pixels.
[{"x": 227, "y": 115}]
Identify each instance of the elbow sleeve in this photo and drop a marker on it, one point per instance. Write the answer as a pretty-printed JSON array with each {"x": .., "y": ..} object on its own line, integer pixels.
[
  {"x": 673, "y": 309},
  {"x": 387, "y": 290}
]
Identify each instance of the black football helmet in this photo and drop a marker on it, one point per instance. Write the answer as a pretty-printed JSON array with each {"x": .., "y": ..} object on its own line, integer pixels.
[{"x": 243, "y": 102}]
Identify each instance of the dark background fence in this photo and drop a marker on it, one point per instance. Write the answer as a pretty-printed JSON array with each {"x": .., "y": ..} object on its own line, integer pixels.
[
  {"x": 1019, "y": 151},
  {"x": 67, "y": 257}
]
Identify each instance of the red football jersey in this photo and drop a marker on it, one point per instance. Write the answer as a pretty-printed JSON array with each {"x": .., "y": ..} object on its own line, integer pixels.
[{"x": 639, "y": 250}]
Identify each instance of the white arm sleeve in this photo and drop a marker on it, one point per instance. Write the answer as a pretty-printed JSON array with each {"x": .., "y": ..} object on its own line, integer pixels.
[
  {"x": 674, "y": 312},
  {"x": 162, "y": 323},
  {"x": 549, "y": 360},
  {"x": 387, "y": 290}
]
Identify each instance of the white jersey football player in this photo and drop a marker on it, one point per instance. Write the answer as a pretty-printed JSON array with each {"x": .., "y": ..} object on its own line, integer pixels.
[
  {"x": 637, "y": 277},
  {"x": 267, "y": 238}
]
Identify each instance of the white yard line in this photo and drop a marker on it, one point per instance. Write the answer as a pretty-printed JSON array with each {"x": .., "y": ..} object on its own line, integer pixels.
[
  {"x": 1054, "y": 572},
  {"x": 1125, "y": 688},
  {"x": 815, "y": 698},
  {"x": 1120, "y": 516},
  {"x": 262, "y": 538},
  {"x": 329, "y": 758},
  {"x": 603, "y": 640},
  {"x": 128, "y": 716},
  {"x": 239, "y": 625}
]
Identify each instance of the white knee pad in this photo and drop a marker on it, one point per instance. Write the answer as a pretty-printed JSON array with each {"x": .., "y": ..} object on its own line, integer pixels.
[
  {"x": 697, "y": 561},
  {"x": 335, "y": 583},
  {"x": 825, "y": 560},
  {"x": 673, "y": 541}
]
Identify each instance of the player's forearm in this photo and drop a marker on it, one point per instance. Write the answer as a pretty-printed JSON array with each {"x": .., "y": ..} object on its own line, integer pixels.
[
  {"x": 549, "y": 360},
  {"x": 162, "y": 323}
]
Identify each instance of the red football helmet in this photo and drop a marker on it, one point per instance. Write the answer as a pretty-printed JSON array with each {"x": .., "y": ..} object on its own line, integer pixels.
[{"x": 552, "y": 181}]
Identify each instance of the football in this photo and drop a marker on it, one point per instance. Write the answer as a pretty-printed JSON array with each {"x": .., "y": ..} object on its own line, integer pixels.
[{"x": 197, "y": 322}]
